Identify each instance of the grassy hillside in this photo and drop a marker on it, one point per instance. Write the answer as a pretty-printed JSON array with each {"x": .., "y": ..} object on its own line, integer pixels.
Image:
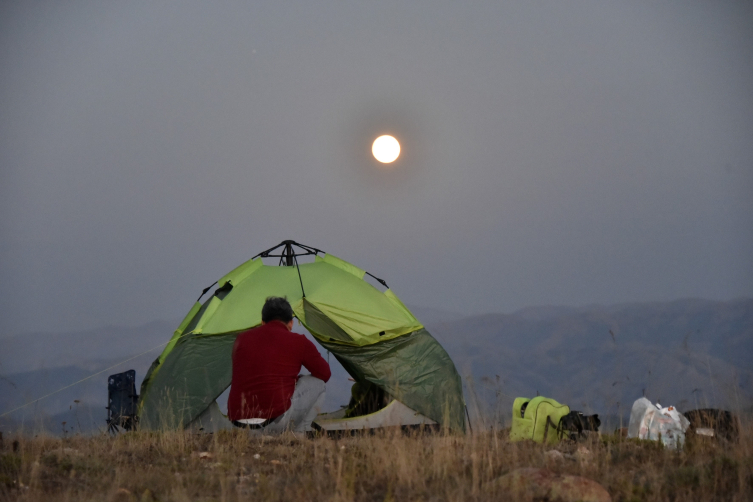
[{"x": 388, "y": 466}]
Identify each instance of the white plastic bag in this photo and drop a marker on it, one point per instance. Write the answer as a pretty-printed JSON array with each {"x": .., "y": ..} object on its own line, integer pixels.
[
  {"x": 649, "y": 421},
  {"x": 676, "y": 416}
]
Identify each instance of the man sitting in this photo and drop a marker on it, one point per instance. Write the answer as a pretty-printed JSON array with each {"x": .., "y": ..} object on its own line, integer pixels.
[{"x": 266, "y": 391}]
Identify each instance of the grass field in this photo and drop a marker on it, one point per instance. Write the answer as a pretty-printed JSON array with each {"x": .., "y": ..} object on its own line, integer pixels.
[{"x": 176, "y": 466}]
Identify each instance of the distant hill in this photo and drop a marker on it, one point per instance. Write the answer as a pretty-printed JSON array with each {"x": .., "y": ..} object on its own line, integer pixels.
[
  {"x": 35, "y": 351},
  {"x": 34, "y": 364},
  {"x": 688, "y": 353},
  {"x": 432, "y": 317}
]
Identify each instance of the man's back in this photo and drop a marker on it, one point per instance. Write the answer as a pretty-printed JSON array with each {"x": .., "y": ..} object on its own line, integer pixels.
[{"x": 266, "y": 363}]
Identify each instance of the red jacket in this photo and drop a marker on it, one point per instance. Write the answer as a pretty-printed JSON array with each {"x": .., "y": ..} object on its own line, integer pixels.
[{"x": 266, "y": 363}]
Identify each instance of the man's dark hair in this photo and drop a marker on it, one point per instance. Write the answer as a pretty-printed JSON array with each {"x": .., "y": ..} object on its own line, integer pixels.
[{"x": 276, "y": 309}]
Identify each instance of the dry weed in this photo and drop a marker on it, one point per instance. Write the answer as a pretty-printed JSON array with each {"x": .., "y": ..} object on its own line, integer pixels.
[{"x": 390, "y": 465}]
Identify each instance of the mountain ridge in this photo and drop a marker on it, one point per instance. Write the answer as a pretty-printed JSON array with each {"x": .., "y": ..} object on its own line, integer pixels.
[{"x": 686, "y": 352}]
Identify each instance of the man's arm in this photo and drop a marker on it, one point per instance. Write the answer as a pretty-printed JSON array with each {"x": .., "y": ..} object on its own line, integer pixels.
[{"x": 314, "y": 362}]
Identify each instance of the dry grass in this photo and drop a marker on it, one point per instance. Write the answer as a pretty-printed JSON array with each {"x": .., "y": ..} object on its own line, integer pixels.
[{"x": 389, "y": 466}]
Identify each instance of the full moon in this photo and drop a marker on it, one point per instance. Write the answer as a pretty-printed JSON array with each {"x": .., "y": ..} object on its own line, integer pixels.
[{"x": 385, "y": 149}]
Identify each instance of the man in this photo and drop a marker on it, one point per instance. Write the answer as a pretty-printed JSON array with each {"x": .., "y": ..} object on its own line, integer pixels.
[{"x": 266, "y": 391}]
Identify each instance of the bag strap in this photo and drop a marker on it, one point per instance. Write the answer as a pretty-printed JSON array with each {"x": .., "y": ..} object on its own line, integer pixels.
[{"x": 556, "y": 427}]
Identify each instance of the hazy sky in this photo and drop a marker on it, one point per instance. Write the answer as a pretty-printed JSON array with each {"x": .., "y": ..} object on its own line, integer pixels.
[{"x": 553, "y": 152}]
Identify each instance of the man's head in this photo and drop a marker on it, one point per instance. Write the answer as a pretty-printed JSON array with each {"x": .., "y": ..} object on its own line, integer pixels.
[{"x": 277, "y": 309}]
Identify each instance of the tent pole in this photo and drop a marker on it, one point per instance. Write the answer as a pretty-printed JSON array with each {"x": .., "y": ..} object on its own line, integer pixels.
[
  {"x": 288, "y": 253},
  {"x": 299, "y": 276},
  {"x": 469, "y": 418}
]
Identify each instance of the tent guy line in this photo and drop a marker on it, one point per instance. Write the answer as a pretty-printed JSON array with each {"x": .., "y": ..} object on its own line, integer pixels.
[{"x": 84, "y": 379}]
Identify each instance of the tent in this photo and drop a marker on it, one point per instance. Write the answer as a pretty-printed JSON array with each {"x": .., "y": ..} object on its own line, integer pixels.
[{"x": 370, "y": 332}]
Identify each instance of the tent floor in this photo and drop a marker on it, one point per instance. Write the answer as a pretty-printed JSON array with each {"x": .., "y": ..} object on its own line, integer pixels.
[{"x": 395, "y": 414}]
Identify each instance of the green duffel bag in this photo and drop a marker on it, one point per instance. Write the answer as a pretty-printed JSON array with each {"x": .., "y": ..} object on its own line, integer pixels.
[{"x": 537, "y": 419}]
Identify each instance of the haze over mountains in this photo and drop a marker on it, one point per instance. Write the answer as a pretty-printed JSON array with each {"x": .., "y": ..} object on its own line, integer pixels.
[{"x": 690, "y": 353}]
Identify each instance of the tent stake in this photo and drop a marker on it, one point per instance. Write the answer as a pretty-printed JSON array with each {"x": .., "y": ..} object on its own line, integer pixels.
[{"x": 470, "y": 428}]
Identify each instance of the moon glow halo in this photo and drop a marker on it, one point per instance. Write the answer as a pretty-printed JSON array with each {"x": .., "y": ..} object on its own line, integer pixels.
[{"x": 386, "y": 149}]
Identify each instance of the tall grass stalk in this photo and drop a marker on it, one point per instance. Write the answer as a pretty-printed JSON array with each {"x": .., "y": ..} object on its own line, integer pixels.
[{"x": 388, "y": 465}]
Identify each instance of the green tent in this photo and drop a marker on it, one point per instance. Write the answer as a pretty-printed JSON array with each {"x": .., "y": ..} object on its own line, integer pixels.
[{"x": 373, "y": 335}]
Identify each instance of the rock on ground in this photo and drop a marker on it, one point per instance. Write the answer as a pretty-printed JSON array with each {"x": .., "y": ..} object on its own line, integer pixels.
[{"x": 537, "y": 483}]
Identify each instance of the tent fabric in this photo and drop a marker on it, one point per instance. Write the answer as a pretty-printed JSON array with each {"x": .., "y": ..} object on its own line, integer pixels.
[
  {"x": 193, "y": 375},
  {"x": 414, "y": 369},
  {"x": 357, "y": 307},
  {"x": 372, "y": 333}
]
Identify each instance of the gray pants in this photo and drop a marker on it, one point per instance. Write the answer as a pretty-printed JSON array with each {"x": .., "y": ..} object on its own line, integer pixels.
[{"x": 305, "y": 405}]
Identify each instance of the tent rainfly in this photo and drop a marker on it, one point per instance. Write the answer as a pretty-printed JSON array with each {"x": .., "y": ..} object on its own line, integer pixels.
[{"x": 371, "y": 333}]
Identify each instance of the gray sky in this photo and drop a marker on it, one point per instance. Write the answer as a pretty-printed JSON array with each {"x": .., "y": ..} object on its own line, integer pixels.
[{"x": 553, "y": 152}]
